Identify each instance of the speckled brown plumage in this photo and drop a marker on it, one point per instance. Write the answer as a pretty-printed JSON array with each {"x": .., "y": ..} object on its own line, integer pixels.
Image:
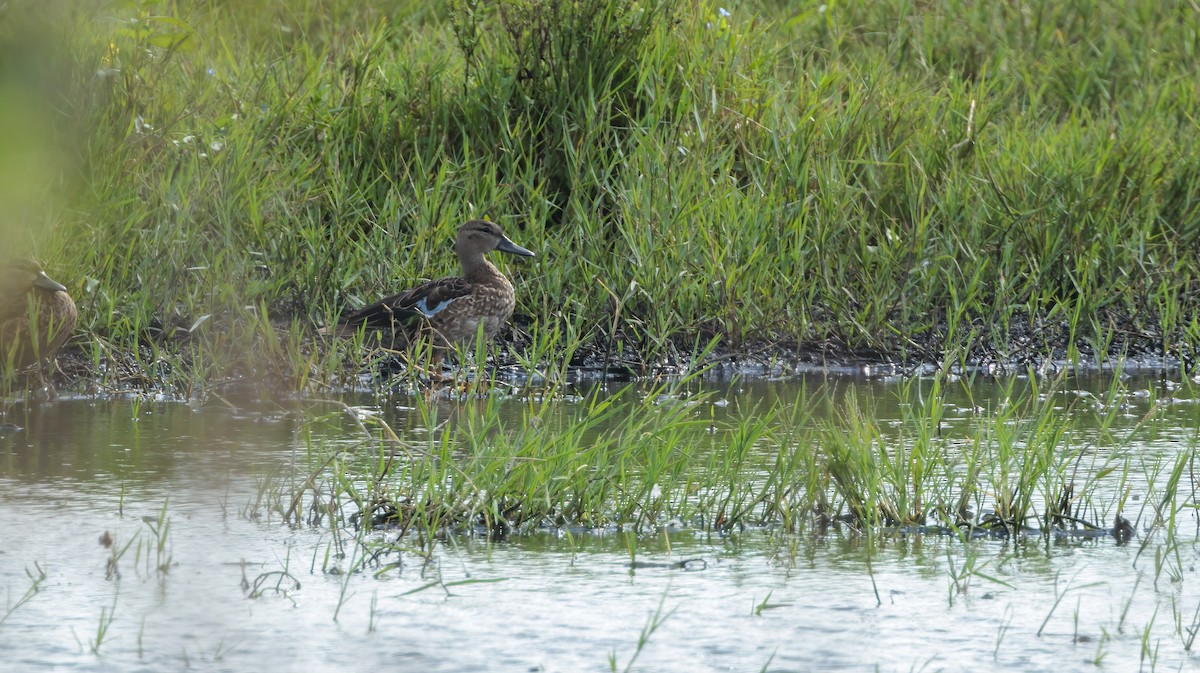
[
  {"x": 28, "y": 297},
  {"x": 449, "y": 311}
]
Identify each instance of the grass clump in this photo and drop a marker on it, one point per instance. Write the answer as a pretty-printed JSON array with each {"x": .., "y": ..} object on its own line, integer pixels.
[
  {"x": 938, "y": 181},
  {"x": 1035, "y": 460}
]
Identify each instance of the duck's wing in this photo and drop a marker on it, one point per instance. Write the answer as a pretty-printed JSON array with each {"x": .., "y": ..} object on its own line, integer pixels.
[{"x": 425, "y": 300}]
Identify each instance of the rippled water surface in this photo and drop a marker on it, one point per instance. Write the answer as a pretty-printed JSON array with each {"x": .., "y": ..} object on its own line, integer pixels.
[{"x": 178, "y": 489}]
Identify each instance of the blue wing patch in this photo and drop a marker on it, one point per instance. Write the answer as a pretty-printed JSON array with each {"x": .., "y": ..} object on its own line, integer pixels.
[{"x": 422, "y": 305}]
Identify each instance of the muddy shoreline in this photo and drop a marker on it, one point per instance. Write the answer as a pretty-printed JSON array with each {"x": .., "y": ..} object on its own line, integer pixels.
[{"x": 1041, "y": 348}]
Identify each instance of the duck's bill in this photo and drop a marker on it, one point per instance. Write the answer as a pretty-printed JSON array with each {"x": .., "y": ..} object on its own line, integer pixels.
[
  {"x": 513, "y": 249},
  {"x": 47, "y": 283}
]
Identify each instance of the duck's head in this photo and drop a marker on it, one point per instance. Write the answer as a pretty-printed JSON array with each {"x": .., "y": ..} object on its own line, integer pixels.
[
  {"x": 21, "y": 274},
  {"x": 478, "y": 237}
]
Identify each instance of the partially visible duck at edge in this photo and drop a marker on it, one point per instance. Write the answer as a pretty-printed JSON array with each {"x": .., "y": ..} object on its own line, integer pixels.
[
  {"x": 448, "y": 311},
  {"x": 36, "y": 314}
]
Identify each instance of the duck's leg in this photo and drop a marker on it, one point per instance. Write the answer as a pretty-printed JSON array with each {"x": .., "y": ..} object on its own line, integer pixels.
[
  {"x": 43, "y": 390},
  {"x": 425, "y": 359},
  {"x": 482, "y": 382},
  {"x": 435, "y": 366}
]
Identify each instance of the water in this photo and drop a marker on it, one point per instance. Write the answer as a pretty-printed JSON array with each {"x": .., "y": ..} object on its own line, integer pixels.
[{"x": 183, "y": 485}]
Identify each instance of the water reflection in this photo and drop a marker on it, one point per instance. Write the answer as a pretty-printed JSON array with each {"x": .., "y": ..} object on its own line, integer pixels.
[
  {"x": 561, "y": 600},
  {"x": 129, "y": 441}
]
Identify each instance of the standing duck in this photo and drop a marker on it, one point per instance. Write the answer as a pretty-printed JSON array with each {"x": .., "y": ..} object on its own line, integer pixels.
[
  {"x": 36, "y": 314},
  {"x": 448, "y": 311}
]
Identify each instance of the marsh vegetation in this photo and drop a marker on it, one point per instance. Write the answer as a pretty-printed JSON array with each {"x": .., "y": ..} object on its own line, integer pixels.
[
  {"x": 921, "y": 182},
  {"x": 647, "y": 521},
  {"x": 981, "y": 202}
]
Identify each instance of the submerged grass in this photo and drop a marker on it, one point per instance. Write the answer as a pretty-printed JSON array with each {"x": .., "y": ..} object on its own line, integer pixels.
[
  {"x": 1039, "y": 460},
  {"x": 939, "y": 181}
]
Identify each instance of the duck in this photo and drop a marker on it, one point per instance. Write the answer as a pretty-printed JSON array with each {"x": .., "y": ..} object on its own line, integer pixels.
[
  {"x": 447, "y": 312},
  {"x": 36, "y": 314}
]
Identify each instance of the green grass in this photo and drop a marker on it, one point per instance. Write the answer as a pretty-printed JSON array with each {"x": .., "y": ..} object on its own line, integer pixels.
[
  {"x": 1038, "y": 460},
  {"x": 941, "y": 181}
]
